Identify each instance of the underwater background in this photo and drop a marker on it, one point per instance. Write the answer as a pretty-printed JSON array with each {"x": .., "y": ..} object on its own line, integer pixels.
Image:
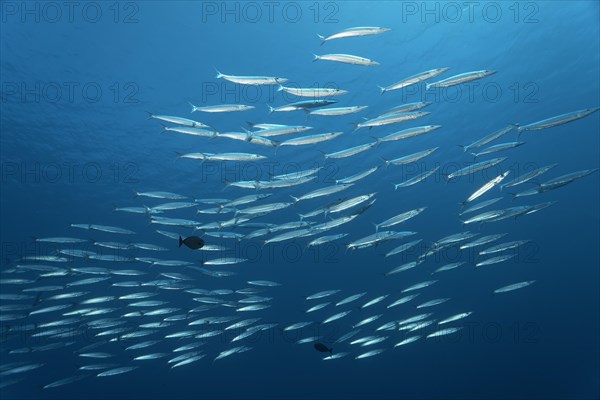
[{"x": 76, "y": 142}]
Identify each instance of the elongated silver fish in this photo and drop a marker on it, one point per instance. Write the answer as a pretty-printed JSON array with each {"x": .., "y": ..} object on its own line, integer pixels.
[
  {"x": 354, "y": 32},
  {"x": 117, "y": 371},
  {"x": 444, "y": 332},
  {"x": 488, "y": 186},
  {"x": 526, "y": 177},
  {"x": 418, "y": 286},
  {"x": 455, "y": 317},
  {"x": 558, "y": 120},
  {"x": 251, "y": 80},
  {"x": 503, "y": 247},
  {"x": 498, "y": 147},
  {"x": 513, "y": 286},
  {"x": 221, "y": 108},
  {"x": 337, "y": 316},
  {"x": 179, "y": 120},
  {"x": 326, "y": 191},
  {"x": 480, "y": 166},
  {"x": 346, "y": 59},
  {"x": 338, "y": 110},
  {"x": 416, "y": 179},
  {"x": 311, "y": 139},
  {"x": 315, "y": 92},
  {"x": 408, "y": 133},
  {"x": 304, "y": 105},
  {"x": 398, "y": 219},
  {"x": 410, "y": 158},
  {"x": 414, "y": 79},
  {"x": 350, "y": 151},
  {"x": 487, "y": 139},
  {"x": 495, "y": 260},
  {"x": 460, "y": 78},
  {"x": 388, "y": 119}
]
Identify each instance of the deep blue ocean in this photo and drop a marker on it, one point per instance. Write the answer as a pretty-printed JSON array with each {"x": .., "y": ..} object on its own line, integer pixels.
[{"x": 78, "y": 81}]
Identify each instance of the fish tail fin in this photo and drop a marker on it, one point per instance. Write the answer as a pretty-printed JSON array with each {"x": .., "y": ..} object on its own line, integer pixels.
[
  {"x": 180, "y": 241},
  {"x": 376, "y": 227},
  {"x": 396, "y": 185},
  {"x": 296, "y": 199},
  {"x": 250, "y": 124},
  {"x": 322, "y": 38},
  {"x": 427, "y": 86},
  {"x": 382, "y": 89},
  {"x": 194, "y": 108},
  {"x": 516, "y": 126},
  {"x": 271, "y": 109},
  {"x": 316, "y": 57},
  {"x": 474, "y": 155},
  {"x": 279, "y": 88},
  {"x": 219, "y": 74},
  {"x": 377, "y": 139},
  {"x": 385, "y": 162},
  {"x": 150, "y": 115},
  {"x": 323, "y": 153},
  {"x": 462, "y": 146},
  {"x": 178, "y": 154},
  {"x": 356, "y": 126}
]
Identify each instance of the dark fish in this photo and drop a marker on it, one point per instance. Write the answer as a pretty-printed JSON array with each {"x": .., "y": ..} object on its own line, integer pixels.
[
  {"x": 193, "y": 242},
  {"x": 322, "y": 348}
]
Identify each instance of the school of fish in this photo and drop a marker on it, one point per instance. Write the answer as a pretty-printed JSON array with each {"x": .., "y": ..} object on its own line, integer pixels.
[{"x": 166, "y": 310}]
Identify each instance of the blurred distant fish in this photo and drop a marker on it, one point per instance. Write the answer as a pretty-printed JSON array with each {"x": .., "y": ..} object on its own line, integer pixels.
[
  {"x": 161, "y": 195},
  {"x": 354, "y": 32},
  {"x": 514, "y": 286},
  {"x": 322, "y": 348},
  {"x": 346, "y": 59}
]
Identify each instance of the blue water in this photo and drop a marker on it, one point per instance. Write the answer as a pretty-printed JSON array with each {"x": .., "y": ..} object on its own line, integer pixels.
[{"x": 76, "y": 143}]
